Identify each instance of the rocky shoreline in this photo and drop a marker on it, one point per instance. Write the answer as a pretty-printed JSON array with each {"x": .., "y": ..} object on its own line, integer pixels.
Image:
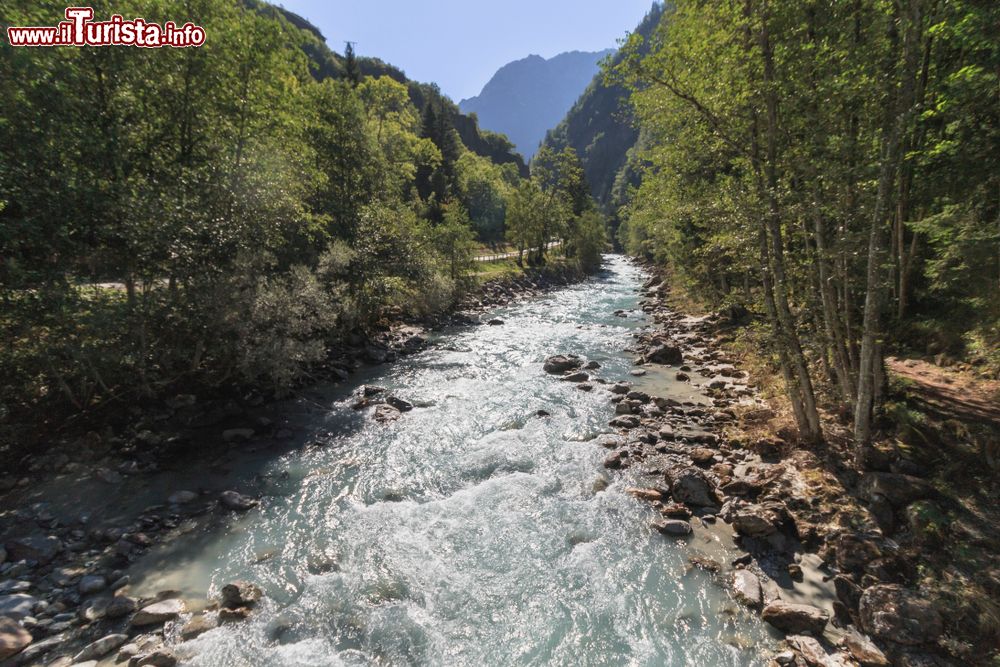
[
  {"x": 64, "y": 593},
  {"x": 65, "y": 596},
  {"x": 703, "y": 471}
]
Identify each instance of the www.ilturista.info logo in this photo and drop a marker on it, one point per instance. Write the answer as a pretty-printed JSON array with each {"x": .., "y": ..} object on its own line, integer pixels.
[{"x": 79, "y": 30}]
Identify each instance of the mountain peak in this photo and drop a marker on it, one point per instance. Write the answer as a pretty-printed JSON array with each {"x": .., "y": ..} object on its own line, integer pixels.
[{"x": 529, "y": 96}]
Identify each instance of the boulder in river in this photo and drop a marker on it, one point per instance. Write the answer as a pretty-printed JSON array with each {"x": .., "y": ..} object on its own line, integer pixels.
[
  {"x": 579, "y": 376},
  {"x": 399, "y": 404},
  {"x": 158, "y": 612},
  {"x": 560, "y": 363},
  {"x": 13, "y": 638},
  {"x": 795, "y": 618},
  {"x": 240, "y": 594},
  {"x": 747, "y": 588},
  {"x": 889, "y": 611},
  {"x": 385, "y": 413},
  {"x": 675, "y": 527},
  {"x": 236, "y": 501}
]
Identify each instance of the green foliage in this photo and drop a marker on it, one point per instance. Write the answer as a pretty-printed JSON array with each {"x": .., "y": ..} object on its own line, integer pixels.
[{"x": 250, "y": 203}]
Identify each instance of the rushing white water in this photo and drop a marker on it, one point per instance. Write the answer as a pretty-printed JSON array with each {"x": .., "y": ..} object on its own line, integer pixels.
[{"x": 468, "y": 532}]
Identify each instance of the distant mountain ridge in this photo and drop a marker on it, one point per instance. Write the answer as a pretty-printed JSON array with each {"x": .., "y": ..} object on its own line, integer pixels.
[{"x": 527, "y": 97}]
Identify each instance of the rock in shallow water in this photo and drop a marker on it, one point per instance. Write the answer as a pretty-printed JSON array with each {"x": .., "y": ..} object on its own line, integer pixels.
[
  {"x": 747, "y": 589},
  {"x": 236, "y": 501},
  {"x": 675, "y": 527},
  {"x": 560, "y": 363},
  {"x": 240, "y": 594},
  {"x": 158, "y": 612}
]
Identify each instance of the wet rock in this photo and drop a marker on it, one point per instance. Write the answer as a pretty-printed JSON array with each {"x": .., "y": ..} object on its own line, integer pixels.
[
  {"x": 385, "y": 413},
  {"x": 692, "y": 487},
  {"x": 199, "y": 625},
  {"x": 3, "y": 555},
  {"x": 592, "y": 365},
  {"x": 795, "y": 618},
  {"x": 600, "y": 484},
  {"x": 39, "y": 548},
  {"x": 675, "y": 527},
  {"x": 899, "y": 490},
  {"x": 616, "y": 459},
  {"x": 542, "y": 413},
  {"x": 13, "y": 638},
  {"x": 585, "y": 386},
  {"x": 864, "y": 650},
  {"x": 575, "y": 377},
  {"x": 399, "y": 404},
  {"x": 496, "y": 321},
  {"x": 637, "y": 372},
  {"x": 755, "y": 521},
  {"x": 621, "y": 388},
  {"x": 240, "y": 594},
  {"x": 894, "y": 613},
  {"x": 682, "y": 377},
  {"x": 370, "y": 390},
  {"x": 158, "y": 612},
  {"x": 664, "y": 354},
  {"x": 237, "y": 434},
  {"x": 561, "y": 363},
  {"x": 640, "y": 396},
  {"x": 100, "y": 648},
  {"x": 90, "y": 584},
  {"x": 236, "y": 501},
  {"x": 747, "y": 589}
]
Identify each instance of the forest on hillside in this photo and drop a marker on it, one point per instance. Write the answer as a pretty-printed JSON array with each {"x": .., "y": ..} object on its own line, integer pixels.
[
  {"x": 834, "y": 167},
  {"x": 223, "y": 215}
]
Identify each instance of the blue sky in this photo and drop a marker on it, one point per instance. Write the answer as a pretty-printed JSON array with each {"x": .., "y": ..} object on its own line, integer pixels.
[{"x": 459, "y": 44}]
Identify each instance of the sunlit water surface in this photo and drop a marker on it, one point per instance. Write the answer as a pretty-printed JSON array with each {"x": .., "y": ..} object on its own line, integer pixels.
[{"x": 468, "y": 532}]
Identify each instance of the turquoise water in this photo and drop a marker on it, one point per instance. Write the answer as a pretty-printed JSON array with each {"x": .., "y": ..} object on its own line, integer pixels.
[{"x": 468, "y": 532}]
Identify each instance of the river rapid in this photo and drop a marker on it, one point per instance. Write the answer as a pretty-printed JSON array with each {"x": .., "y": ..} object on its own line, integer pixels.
[{"x": 471, "y": 531}]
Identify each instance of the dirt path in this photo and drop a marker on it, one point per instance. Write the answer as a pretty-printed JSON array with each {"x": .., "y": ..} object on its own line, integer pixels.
[{"x": 949, "y": 392}]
